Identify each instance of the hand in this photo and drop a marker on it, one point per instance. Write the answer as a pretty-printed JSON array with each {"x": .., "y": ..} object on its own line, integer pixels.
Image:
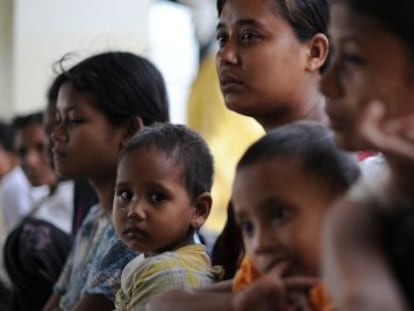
[
  {"x": 391, "y": 136},
  {"x": 274, "y": 293}
]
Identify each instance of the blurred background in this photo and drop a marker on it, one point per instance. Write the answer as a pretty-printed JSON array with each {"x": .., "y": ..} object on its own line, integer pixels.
[{"x": 178, "y": 36}]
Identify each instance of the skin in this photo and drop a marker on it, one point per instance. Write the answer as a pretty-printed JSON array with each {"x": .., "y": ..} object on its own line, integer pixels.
[
  {"x": 31, "y": 143},
  {"x": 81, "y": 137},
  {"x": 369, "y": 89},
  {"x": 256, "y": 45},
  {"x": 362, "y": 72},
  {"x": 153, "y": 211},
  {"x": 278, "y": 225}
]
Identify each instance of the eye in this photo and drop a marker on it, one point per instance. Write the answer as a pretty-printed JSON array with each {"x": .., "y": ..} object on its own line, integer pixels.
[
  {"x": 157, "y": 197},
  {"x": 277, "y": 215},
  {"x": 221, "y": 38},
  {"x": 247, "y": 227},
  {"x": 248, "y": 36},
  {"x": 124, "y": 195},
  {"x": 353, "y": 59}
]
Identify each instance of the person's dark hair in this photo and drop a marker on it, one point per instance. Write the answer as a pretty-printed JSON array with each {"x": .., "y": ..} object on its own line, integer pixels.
[
  {"x": 124, "y": 85},
  {"x": 313, "y": 145},
  {"x": 22, "y": 121},
  {"x": 228, "y": 250},
  {"x": 185, "y": 146},
  {"x": 395, "y": 16},
  {"x": 53, "y": 90},
  {"x": 307, "y": 18},
  {"x": 6, "y": 136}
]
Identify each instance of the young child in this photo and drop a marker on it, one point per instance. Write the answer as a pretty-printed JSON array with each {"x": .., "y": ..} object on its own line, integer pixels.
[
  {"x": 162, "y": 197},
  {"x": 368, "y": 252},
  {"x": 281, "y": 214},
  {"x": 284, "y": 185}
]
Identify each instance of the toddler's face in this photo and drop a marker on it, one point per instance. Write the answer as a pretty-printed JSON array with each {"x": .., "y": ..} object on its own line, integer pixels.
[
  {"x": 369, "y": 64},
  {"x": 152, "y": 209},
  {"x": 280, "y": 210}
]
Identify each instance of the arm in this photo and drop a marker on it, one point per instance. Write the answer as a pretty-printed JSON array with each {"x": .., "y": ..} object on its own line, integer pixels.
[
  {"x": 53, "y": 303},
  {"x": 354, "y": 264}
]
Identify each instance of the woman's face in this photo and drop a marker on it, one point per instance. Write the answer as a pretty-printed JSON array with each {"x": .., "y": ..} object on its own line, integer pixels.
[
  {"x": 369, "y": 64},
  {"x": 260, "y": 61},
  {"x": 85, "y": 144}
]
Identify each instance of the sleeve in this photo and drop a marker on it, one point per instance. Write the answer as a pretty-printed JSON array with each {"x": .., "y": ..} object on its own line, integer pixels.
[
  {"x": 105, "y": 274},
  {"x": 63, "y": 282}
]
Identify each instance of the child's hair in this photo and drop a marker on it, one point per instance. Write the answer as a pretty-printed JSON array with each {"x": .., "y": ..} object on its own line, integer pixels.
[
  {"x": 396, "y": 16},
  {"x": 306, "y": 17},
  {"x": 313, "y": 145},
  {"x": 186, "y": 147},
  {"x": 124, "y": 85},
  {"x": 6, "y": 136},
  {"x": 22, "y": 121}
]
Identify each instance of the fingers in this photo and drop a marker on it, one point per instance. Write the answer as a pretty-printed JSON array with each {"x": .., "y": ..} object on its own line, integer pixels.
[{"x": 395, "y": 136}]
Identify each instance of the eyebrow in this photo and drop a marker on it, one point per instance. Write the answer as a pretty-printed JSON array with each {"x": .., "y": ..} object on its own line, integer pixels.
[{"x": 242, "y": 22}]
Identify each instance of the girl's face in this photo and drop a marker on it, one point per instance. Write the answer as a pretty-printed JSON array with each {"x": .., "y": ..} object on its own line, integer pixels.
[
  {"x": 369, "y": 64},
  {"x": 85, "y": 144},
  {"x": 32, "y": 145},
  {"x": 280, "y": 210},
  {"x": 152, "y": 209},
  {"x": 260, "y": 62}
]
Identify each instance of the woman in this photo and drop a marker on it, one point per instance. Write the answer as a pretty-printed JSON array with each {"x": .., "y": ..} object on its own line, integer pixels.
[{"x": 102, "y": 102}]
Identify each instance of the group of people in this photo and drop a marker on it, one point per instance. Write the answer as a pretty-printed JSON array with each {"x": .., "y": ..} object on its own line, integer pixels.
[{"x": 308, "y": 227}]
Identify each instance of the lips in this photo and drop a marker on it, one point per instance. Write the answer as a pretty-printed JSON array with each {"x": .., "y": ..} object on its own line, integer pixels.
[
  {"x": 229, "y": 83},
  {"x": 134, "y": 233}
]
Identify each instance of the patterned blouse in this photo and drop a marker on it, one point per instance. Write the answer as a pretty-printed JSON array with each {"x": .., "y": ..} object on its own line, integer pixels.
[{"x": 95, "y": 263}]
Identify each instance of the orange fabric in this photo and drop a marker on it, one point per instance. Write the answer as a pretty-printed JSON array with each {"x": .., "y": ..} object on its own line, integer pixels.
[
  {"x": 320, "y": 299},
  {"x": 246, "y": 275}
]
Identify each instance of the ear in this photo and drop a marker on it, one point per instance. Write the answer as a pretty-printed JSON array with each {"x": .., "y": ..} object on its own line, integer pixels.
[
  {"x": 317, "y": 53},
  {"x": 131, "y": 127},
  {"x": 202, "y": 210}
]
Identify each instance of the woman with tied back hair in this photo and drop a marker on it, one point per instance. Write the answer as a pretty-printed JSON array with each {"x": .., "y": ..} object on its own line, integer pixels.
[
  {"x": 369, "y": 236},
  {"x": 270, "y": 58},
  {"x": 102, "y": 102}
]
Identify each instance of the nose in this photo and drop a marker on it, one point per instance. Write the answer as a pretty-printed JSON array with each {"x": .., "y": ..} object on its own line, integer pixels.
[
  {"x": 58, "y": 134},
  {"x": 265, "y": 241},
  {"x": 136, "y": 210},
  {"x": 32, "y": 160},
  {"x": 228, "y": 54},
  {"x": 331, "y": 84}
]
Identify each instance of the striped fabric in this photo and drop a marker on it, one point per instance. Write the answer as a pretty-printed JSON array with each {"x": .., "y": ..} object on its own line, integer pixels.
[{"x": 145, "y": 277}]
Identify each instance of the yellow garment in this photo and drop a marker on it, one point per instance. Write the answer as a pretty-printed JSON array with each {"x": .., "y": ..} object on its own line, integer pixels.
[
  {"x": 227, "y": 133},
  {"x": 144, "y": 277},
  {"x": 247, "y": 274}
]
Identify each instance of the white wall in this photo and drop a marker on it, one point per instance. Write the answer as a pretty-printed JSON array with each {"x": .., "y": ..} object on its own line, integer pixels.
[
  {"x": 44, "y": 30},
  {"x": 6, "y": 13}
]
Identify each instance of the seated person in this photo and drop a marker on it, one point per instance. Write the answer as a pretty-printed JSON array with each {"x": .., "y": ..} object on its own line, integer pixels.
[
  {"x": 162, "y": 197},
  {"x": 36, "y": 249}
]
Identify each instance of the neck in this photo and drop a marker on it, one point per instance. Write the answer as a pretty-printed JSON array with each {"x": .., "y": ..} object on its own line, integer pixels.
[
  {"x": 310, "y": 107},
  {"x": 105, "y": 189}
]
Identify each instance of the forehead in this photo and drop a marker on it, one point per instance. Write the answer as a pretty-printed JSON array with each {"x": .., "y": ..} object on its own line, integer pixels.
[
  {"x": 150, "y": 159},
  {"x": 233, "y": 10},
  {"x": 32, "y": 132},
  {"x": 70, "y": 99}
]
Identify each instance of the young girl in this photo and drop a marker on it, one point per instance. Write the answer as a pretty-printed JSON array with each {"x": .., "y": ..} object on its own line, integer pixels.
[
  {"x": 284, "y": 184},
  {"x": 162, "y": 198},
  {"x": 103, "y": 101},
  {"x": 368, "y": 257}
]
